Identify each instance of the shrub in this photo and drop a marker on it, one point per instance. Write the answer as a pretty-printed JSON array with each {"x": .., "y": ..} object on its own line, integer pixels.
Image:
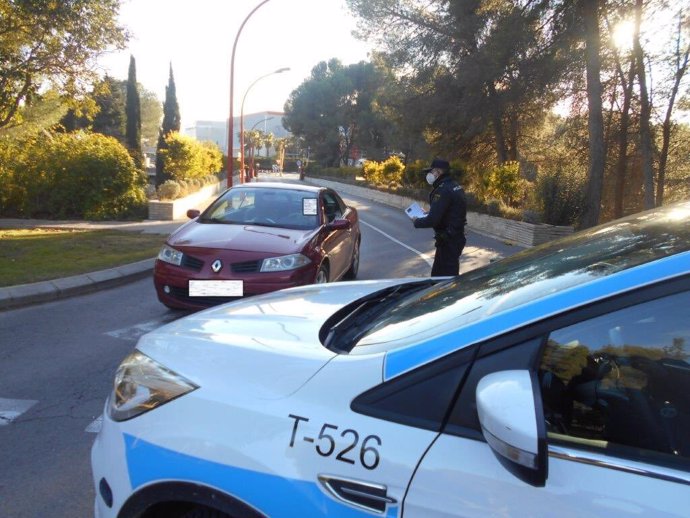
[
  {"x": 169, "y": 190},
  {"x": 76, "y": 175},
  {"x": 505, "y": 183},
  {"x": 186, "y": 158},
  {"x": 561, "y": 196}
]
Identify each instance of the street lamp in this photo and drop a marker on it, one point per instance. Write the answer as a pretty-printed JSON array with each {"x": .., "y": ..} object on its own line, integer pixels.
[
  {"x": 231, "y": 128},
  {"x": 279, "y": 71}
]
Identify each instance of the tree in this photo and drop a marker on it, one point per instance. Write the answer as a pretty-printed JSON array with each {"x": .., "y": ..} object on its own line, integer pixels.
[
  {"x": 133, "y": 116},
  {"x": 51, "y": 43},
  {"x": 595, "y": 125},
  {"x": 171, "y": 123}
]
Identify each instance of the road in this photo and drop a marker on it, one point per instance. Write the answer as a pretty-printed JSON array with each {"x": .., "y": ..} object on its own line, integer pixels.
[{"x": 57, "y": 362}]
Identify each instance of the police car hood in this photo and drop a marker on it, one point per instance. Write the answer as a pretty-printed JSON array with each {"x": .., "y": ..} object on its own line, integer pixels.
[{"x": 269, "y": 342}]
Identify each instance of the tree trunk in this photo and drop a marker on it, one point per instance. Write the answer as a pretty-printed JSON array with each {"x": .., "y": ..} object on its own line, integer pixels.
[
  {"x": 497, "y": 123},
  {"x": 595, "y": 123},
  {"x": 621, "y": 166},
  {"x": 645, "y": 113},
  {"x": 681, "y": 67}
]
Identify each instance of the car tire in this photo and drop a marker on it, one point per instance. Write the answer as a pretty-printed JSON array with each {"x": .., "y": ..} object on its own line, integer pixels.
[
  {"x": 204, "y": 512},
  {"x": 321, "y": 275},
  {"x": 351, "y": 274}
]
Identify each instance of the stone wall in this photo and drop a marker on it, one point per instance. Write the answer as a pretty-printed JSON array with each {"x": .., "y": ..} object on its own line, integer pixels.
[{"x": 177, "y": 209}]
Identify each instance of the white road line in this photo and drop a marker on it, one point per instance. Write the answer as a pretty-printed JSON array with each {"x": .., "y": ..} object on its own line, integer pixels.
[
  {"x": 10, "y": 409},
  {"x": 95, "y": 426},
  {"x": 428, "y": 259},
  {"x": 136, "y": 331}
]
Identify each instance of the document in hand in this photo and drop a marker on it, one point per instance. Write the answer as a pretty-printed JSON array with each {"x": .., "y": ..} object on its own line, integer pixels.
[{"x": 415, "y": 211}]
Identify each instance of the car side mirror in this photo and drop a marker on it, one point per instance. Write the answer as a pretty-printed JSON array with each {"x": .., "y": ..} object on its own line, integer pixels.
[
  {"x": 339, "y": 224},
  {"x": 512, "y": 419},
  {"x": 193, "y": 213}
]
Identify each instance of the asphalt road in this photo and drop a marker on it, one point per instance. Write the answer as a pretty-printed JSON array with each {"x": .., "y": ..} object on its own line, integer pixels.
[{"x": 57, "y": 362}]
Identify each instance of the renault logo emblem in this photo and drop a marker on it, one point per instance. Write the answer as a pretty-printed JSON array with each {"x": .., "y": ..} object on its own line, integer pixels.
[{"x": 216, "y": 266}]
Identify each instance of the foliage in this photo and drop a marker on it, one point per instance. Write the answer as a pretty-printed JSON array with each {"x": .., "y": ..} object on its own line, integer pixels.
[
  {"x": 76, "y": 175},
  {"x": 504, "y": 183},
  {"x": 388, "y": 172},
  {"x": 171, "y": 123},
  {"x": 334, "y": 110},
  {"x": 561, "y": 196},
  {"x": 133, "y": 116},
  {"x": 185, "y": 158},
  {"x": 51, "y": 43},
  {"x": 169, "y": 190}
]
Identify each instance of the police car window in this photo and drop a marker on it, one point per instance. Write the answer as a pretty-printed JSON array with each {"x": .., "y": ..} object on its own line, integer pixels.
[
  {"x": 420, "y": 398},
  {"x": 621, "y": 382},
  {"x": 464, "y": 420},
  {"x": 529, "y": 275}
]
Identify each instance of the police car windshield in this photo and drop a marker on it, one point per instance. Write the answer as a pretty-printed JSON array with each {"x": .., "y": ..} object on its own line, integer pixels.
[{"x": 530, "y": 275}]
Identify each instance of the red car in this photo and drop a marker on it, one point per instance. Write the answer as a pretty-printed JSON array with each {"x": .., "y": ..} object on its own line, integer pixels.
[{"x": 256, "y": 238}]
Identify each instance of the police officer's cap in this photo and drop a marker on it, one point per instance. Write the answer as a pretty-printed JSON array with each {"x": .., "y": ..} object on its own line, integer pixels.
[{"x": 437, "y": 163}]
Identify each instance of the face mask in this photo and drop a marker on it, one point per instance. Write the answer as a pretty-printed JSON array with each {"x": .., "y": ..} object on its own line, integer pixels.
[{"x": 430, "y": 178}]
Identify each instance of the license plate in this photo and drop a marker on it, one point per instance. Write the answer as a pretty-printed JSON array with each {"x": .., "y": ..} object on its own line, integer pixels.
[{"x": 216, "y": 288}]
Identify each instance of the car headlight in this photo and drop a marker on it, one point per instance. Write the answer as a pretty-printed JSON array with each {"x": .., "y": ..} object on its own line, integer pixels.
[
  {"x": 170, "y": 255},
  {"x": 283, "y": 263},
  {"x": 142, "y": 384}
]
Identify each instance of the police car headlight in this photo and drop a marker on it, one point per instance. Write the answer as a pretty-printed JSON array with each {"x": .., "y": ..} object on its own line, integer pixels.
[
  {"x": 142, "y": 384},
  {"x": 170, "y": 255},
  {"x": 284, "y": 263}
]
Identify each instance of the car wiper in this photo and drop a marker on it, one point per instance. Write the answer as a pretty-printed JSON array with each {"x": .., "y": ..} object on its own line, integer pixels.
[{"x": 353, "y": 321}]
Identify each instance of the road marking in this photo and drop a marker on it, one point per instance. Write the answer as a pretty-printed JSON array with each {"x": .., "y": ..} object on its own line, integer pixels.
[
  {"x": 11, "y": 409},
  {"x": 138, "y": 330},
  {"x": 95, "y": 426},
  {"x": 428, "y": 259}
]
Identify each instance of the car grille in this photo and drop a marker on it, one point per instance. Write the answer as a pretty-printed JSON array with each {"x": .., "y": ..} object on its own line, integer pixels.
[
  {"x": 191, "y": 262},
  {"x": 182, "y": 294},
  {"x": 246, "y": 267}
]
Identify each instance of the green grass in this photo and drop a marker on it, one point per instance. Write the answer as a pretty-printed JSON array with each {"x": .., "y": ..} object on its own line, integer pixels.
[{"x": 32, "y": 255}]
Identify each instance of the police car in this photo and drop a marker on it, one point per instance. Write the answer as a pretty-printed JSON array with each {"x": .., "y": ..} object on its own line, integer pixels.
[{"x": 555, "y": 382}]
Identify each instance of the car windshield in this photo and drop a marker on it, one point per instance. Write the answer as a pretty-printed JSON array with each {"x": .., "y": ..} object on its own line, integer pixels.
[
  {"x": 283, "y": 208},
  {"x": 530, "y": 275}
]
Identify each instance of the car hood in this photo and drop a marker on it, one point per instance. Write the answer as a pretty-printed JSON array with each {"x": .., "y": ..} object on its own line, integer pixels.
[
  {"x": 253, "y": 238},
  {"x": 267, "y": 344}
]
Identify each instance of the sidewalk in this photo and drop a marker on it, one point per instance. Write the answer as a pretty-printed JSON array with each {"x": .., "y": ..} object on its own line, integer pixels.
[{"x": 482, "y": 250}]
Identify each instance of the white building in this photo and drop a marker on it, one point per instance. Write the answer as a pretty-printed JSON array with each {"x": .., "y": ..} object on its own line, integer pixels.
[{"x": 217, "y": 131}]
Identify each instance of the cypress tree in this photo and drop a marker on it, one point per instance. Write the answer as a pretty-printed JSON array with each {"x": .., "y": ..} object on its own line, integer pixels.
[
  {"x": 171, "y": 123},
  {"x": 133, "y": 112}
]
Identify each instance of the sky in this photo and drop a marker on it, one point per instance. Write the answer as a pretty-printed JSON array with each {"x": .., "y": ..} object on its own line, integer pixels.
[{"x": 197, "y": 37}]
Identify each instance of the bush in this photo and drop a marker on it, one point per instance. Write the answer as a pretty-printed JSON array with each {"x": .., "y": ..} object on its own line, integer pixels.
[
  {"x": 185, "y": 158},
  {"x": 75, "y": 175},
  {"x": 388, "y": 172},
  {"x": 505, "y": 183},
  {"x": 169, "y": 190},
  {"x": 561, "y": 196}
]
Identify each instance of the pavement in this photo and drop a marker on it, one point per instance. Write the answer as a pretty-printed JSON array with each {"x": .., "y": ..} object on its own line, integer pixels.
[{"x": 27, "y": 294}]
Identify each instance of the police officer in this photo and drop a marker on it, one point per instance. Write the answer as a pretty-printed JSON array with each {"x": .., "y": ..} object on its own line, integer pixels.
[{"x": 447, "y": 216}]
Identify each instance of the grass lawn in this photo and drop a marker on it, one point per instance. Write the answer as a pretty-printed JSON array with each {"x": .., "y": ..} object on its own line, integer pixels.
[{"x": 32, "y": 255}]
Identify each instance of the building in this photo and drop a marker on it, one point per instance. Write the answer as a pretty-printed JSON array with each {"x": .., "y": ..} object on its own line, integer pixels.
[{"x": 217, "y": 131}]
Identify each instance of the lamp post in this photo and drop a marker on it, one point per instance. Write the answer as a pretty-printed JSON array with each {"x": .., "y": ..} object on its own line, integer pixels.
[
  {"x": 279, "y": 71},
  {"x": 231, "y": 128}
]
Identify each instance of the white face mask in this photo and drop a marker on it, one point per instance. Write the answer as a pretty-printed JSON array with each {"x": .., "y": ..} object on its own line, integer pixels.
[{"x": 430, "y": 178}]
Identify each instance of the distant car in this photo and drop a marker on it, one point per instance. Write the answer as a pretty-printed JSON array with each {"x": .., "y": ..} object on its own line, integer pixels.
[
  {"x": 257, "y": 238},
  {"x": 555, "y": 382}
]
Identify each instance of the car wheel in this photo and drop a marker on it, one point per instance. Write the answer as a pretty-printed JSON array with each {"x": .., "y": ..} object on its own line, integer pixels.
[
  {"x": 354, "y": 265},
  {"x": 321, "y": 275},
  {"x": 203, "y": 512}
]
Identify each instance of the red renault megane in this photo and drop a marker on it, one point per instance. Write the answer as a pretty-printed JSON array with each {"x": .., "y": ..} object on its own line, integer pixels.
[{"x": 256, "y": 238}]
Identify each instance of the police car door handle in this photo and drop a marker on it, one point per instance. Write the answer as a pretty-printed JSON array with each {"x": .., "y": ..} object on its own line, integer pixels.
[{"x": 363, "y": 495}]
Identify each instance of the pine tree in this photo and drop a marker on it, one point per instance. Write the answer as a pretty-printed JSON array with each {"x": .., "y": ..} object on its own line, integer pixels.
[
  {"x": 133, "y": 112},
  {"x": 171, "y": 123}
]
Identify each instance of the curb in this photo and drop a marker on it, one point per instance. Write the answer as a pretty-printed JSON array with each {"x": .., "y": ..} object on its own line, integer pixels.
[{"x": 13, "y": 297}]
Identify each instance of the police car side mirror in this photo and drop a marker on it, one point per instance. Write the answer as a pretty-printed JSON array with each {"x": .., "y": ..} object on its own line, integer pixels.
[
  {"x": 512, "y": 419},
  {"x": 193, "y": 213}
]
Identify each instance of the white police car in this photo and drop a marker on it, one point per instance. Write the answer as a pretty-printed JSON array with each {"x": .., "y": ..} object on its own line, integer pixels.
[{"x": 553, "y": 383}]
